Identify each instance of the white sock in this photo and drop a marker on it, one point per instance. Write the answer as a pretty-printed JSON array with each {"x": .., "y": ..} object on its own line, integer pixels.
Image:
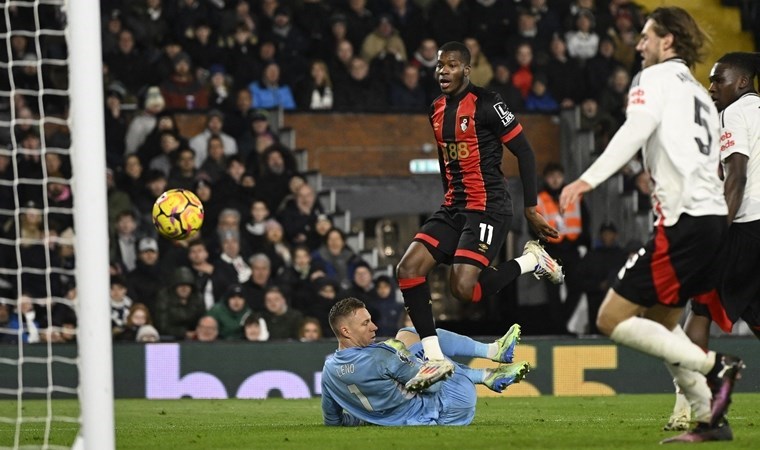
[
  {"x": 493, "y": 349},
  {"x": 654, "y": 339},
  {"x": 692, "y": 384},
  {"x": 432, "y": 348},
  {"x": 527, "y": 263}
]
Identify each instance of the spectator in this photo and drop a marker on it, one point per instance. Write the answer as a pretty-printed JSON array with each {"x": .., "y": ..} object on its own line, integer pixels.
[
  {"x": 242, "y": 63},
  {"x": 269, "y": 93},
  {"x": 276, "y": 248},
  {"x": 601, "y": 124},
  {"x": 407, "y": 94},
  {"x": 409, "y": 21},
  {"x": 182, "y": 91},
  {"x": 131, "y": 180},
  {"x": 385, "y": 304},
  {"x": 598, "y": 270},
  {"x": 219, "y": 87},
  {"x": 322, "y": 226},
  {"x": 187, "y": 14},
  {"x": 527, "y": 31},
  {"x": 583, "y": 42},
  {"x": 179, "y": 306},
  {"x": 294, "y": 185},
  {"x": 449, "y": 20},
  {"x": 183, "y": 174},
  {"x": 282, "y": 321},
  {"x": 522, "y": 76},
  {"x": 141, "y": 125},
  {"x": 231, "y": 312},
  {"x": 384, "y": 39},
  {"x": 261, "y": 280},
  {"x": 214, "y": 125},
  {"x": 362, "y": 91},
  {"x": 425, "y": 59},
  {"x": 291, "y": 44},
  {"x": 151, "y": 147},
  {"x": 625, "y": 36},
  {"x": 565, "y": 78},
  {"x": 255, "y": 329},
  {"x": 207, "y": 329},
  {"x": 540, "y": 100},
  {"x": 203, "y": 270},
  {"x": 313, "y": 17},
  {"x": 127, "y": 64},
  {"x": 310, "y": 330},
  {"x": 164, "y": 66},
  {"x": 338, "y": 258},
  {"x": 299, "y": 277},
  {"x": 170, "y": 146},
  {"x": 481, "y": 71},
  {"x": 362, "y": 285},
  {"x": 340, "y": 62},
  {"x": 230, "y": 268},
  {"x": 230, "y": 190},
  {"x": 300, "y": 217},
  {"x": 501, "y": 83},
  {"x": 144, "y": 282},
  {"x": 359, "y": 21},
  {"x": 115, "y": 126},
  {"x": 275, "y": 177},
  {"x": 138, "y": 316},
  {"x": 123, "y": 243},
  {"x": 203, "y": 48},
  {"x": 614, "y": 96},
  {"x": 150, "y": 23},
  {"x": 147, "y": 334},
  {"x": 237, "y": 119},
  {"x": 255, "y": 229},
  {"x": 316, "y": 91},
  {"x": 599, "y": 68},
  {"x": 322, "y": 300},
  {"x": 262, "y": 136},
  {"x": 22, "y": 325},
  {"x": 215, "y": 164},
  {"x": 155, "y": 185},
  {"x": 120, "y": 305},
  {"x": 548, "y": 20}
]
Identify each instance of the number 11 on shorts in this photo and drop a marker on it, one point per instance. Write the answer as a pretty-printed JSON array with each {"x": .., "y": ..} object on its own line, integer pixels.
[{"x": 486, "y": 233}]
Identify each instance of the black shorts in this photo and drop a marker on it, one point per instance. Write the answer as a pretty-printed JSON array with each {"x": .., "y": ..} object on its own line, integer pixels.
[
  {"x": 740, "y": 281},
  {"x": 709, "y": 305},
  {"x": 454, "y": 236},
  {"x": 676, "y": 264}
]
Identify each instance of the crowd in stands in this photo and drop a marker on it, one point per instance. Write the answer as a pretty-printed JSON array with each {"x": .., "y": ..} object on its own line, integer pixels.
[{"x": 269, "y": 263}]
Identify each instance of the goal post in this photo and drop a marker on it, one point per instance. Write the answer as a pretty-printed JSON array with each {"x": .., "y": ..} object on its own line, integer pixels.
[{"x": 89, "y": 186}]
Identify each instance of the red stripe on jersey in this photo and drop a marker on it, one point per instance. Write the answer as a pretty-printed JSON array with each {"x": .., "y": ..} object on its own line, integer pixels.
[
  {"x": 511, "y": 135},
  {"x": 666, "y": 282},
  {"x": 472, "y": 179},
  {"x": 472, "y": 255},
  {"x": 427, "y": 238},
  {"x": 717, "y": 313},
  {"x": 436, "y": 121},
  {"x": 408, "y": 283}
]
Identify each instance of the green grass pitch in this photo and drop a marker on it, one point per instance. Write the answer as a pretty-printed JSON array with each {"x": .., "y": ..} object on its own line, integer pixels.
[{"x": 620, "y": 422}]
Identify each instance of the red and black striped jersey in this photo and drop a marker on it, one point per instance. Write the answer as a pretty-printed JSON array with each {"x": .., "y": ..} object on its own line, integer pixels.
[{"x": 470, "y": 129}]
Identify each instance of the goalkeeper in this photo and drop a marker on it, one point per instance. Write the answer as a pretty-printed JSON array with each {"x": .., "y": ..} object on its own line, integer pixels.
[{"x": 363, "y": 381}]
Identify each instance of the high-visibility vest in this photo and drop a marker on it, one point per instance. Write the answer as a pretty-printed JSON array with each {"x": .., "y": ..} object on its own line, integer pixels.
[{"x": 568, "y": 224}]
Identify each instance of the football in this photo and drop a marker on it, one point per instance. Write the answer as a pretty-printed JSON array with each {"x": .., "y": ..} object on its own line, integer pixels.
[{"x": 178, "y": 214}]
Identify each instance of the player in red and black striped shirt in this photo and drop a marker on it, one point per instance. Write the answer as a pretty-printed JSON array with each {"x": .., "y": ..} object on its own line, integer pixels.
[{"x": 471, "y": 127}]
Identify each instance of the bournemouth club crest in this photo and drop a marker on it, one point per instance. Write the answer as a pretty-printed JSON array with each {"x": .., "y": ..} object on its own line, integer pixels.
[{"x": 464, "y": 122}]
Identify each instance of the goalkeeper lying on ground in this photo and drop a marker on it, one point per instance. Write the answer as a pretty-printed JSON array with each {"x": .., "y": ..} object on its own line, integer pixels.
[{"x": 363, "y": 382}]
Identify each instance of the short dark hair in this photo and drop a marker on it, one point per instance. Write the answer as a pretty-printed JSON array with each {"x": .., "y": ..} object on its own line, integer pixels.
[
  {"x": 746, "y": 62},
  {"x": 553, "y": 167},
  {"x": 343, "y": 308},
  {"x": 454, "y": 46}
]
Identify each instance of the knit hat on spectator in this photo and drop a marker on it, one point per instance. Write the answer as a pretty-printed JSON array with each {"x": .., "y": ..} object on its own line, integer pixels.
[
  {"x": 215, "y": 113},
  {"x": 258, "y": 114},
  {"x": 154, "y": 99},
  {"x": 147, "y": 244},
  {"x": 234, "y": 291},
  {"x": 147, "y": 333},
  {"x": 182, "y": 56},
  {"x": 215, "y": 69},
  {"x": 116, "y": 88}
]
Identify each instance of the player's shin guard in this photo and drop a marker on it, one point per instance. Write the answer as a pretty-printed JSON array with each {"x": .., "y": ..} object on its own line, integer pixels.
[
  {"x": 417, "y": 302},
  {"x": 494, "y": 278}
]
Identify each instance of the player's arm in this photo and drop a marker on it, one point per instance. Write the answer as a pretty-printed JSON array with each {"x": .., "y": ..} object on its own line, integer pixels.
[
  {"x": 519, "y": 146},
  {"x": 736, "y": 181},
  {"x": 334, "y": 415},
  {"x": 735, "y": 158},
  {"x": 634, "y": 133}
]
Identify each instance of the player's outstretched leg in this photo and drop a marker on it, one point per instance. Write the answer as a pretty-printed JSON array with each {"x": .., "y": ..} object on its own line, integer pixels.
[
  {"x": 704, "y": 432},
  {"x": 506, "y": 345},
  {"x": 547, "y": 267},
  {"x": 431, "y": 372},
  {"x": 505, "y": 375}
]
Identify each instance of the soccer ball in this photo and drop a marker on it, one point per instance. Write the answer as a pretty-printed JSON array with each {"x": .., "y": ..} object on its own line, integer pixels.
[{"x": 178, "y": 214}]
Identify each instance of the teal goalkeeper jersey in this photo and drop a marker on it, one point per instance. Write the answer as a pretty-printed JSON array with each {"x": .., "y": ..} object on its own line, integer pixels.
[{"x": 367, "y": 383}]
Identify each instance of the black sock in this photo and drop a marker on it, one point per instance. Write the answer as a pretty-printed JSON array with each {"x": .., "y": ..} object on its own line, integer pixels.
[
  {"x": 493, "y": 279},
  {"x": 417, "y": 303}
]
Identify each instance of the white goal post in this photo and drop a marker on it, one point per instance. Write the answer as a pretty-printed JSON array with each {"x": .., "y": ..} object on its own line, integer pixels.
[{"x": 91, "y": 246}]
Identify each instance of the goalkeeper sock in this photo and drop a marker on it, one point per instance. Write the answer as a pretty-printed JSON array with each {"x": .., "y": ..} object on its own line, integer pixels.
[
  {"x": 453, "y": 344},
  {"x": 475, "y": 375},
  {"x": 418, "y": 305},
  {"x": 494, "y": 278}
]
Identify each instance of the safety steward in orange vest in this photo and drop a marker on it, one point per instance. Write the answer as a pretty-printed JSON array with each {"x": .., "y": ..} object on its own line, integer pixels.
[{"x": 568, "y": 224}]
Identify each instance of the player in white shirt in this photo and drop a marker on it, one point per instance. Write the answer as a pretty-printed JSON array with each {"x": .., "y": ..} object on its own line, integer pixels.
[
  {"x": 732, "y": 89},
  {"x": 672, "y": 117}
]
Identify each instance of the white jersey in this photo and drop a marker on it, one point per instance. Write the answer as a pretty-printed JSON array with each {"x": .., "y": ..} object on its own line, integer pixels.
[
  {"x": 740, "y": 133},
  {"x": 682, "y": 154}
]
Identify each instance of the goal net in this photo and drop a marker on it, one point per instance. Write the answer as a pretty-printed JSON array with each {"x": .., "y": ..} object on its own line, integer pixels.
[{"x": 55, "y": 343}]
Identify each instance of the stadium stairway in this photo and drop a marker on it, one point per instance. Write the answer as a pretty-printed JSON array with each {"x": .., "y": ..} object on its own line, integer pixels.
[{"x": 722, "y": 22}]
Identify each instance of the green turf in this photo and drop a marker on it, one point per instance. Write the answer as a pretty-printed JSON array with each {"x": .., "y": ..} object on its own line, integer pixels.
[{"x": 621, "y": 422}]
